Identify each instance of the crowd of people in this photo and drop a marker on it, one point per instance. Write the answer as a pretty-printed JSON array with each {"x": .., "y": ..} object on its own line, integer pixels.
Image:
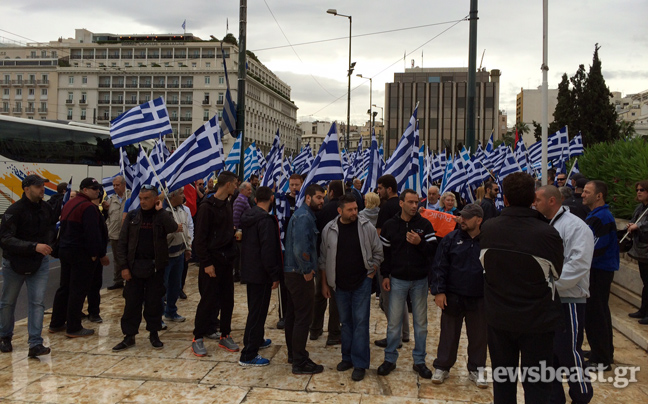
[{"x": 529, "y": 281}]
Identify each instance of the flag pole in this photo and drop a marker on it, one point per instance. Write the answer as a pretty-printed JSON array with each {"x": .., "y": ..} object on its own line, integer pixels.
[
  {"x": 121, "y": 164},
  {"x": 572, "y": 168},
  {"x": 638, "y": 220}
]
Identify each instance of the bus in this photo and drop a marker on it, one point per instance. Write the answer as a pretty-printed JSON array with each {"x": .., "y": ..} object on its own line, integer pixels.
[{"x": 55, "y": 150}]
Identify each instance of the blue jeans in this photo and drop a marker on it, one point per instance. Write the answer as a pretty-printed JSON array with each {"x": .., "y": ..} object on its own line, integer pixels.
[
  {"x": 173, "y": 283},
  {"x": 353, "y": 307},
  {"x": 418, "y": 291},
  {"x": 36, "y": 285}
]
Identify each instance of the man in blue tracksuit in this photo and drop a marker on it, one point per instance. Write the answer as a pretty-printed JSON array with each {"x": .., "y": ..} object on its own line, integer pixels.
[{"x": 598, "y": 321}]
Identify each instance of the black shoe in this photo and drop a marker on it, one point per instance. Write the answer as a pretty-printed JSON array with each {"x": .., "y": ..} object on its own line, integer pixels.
[
  {"x": 290, "y": 360},
  {"x": 116, "y": 286},
  {"x": 314, "y": 335},
  {"x": 5, "y": 345},
  {"x": 182, "y": 295},
  {"x": 281, "y": 324},
  {"x": 38, "y": 350},
  {"x": 596, "y": 366},
  {"x": 54, "y": 330},
  {"x": 383, "y": 343},
  {"x": 358, "y": 374},
  {"x": 333, "y": 341},
  {"x": 95, "y": 319},
  {"x": 405, "y": 340},
  {"x": 83, "y": 332},
  {"x": 155, "y": 340},
  {"x": 422, "y": 370},
  {"x": 128, "y": 342},
  {"x": 587, "y": 354},
  {"x": 344, "y": 366},
  {"x": 386, "y": 368},
  {"x": 637, "y": 314},
  {"x": 643, "y": 320},
  {"x": 307, "y": 368}
]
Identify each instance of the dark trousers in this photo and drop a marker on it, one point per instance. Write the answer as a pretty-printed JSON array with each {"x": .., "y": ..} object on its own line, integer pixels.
[
  {"x": 215, "y": 293},
  {"x": 149, "y": 292},
  {"x": 643, "y": 271},
  {"x": 94, "y": 296},
  {"x": 299, "y": 315},
  {"x": 258, "y": 296},
  {"x": 568, "y": 353},
  {"x": 184, "y": 272},
  {"x": 476, "y": 331},
  {"x": 319, "y": 308},
  {"x": 117, "y": 278},
  {"x": 76, "y": 273},
  {"x": 283, "y": 296},
  {"x": 598, "y": 320},
  {"x": 508, "y": 349}
]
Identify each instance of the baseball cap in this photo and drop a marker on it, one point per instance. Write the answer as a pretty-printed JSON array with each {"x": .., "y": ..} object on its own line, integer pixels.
[
  {"x": 33, "y": 180},
  {"x": 90, "y": 183},
  {"x": 580, "y": 183},
  {"x": 471, "y": 210},
  {"x": 577, "y": 176}
]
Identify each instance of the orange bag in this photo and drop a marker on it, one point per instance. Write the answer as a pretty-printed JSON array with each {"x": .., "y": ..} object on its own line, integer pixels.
[{"x": 442, "y": 222}]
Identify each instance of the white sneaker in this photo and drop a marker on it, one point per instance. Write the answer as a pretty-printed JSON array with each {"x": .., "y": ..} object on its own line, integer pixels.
[
  {"x": 439, "y": 376},
  {"x": 479, "y": 380}
]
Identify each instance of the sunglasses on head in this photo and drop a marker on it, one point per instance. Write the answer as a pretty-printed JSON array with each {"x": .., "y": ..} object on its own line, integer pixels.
[{"x": 149, "y": 187}]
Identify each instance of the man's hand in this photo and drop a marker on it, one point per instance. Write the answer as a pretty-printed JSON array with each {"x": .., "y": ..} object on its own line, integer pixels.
[
  {"x": 125, "y": 273},
  {"x": 386, "y": 284},
  {"x": 413, "y": 237},
  {"x": 275, "y": 285},
  {"x": 326, "y": 291},
  {"x": 43, "y": 249},
  {"x": 309, "y": 276},
  {"x": 106, "y": 205},
  {"x": 211, "y": 271},
  {"x": 441, "y": 300},
  {"x": 421, "y": 209},
  {"x": 371, "y": 275},
  {"x": 187, "y": 255},
  {"x": 179, "y": 228},
  {"x": 105, "y": 261},
  {"x": 632, "y": 227}
]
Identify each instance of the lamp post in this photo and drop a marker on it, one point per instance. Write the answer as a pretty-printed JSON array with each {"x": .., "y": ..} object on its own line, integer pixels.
[
  {"x": 370, "y": 96},
  {"x": 382, "y": 115},
  {"x": 349, "y": 72}
]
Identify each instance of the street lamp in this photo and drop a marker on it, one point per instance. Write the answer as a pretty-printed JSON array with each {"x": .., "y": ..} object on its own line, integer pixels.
[
  {"x": 370, "y": 96},
  {"x": 382, "y": 110},
  {"x": 349, "y": 72}
]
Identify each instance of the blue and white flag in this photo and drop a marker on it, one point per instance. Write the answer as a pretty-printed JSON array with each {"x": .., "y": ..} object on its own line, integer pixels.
[
  {"x": 373, "y": 169},
  {"x": 234, "y": 157},
  {"x": 147, "y": 121},
  {"x": 228, "y": 121},
  {"x": 400, "y": 163},
  {"x": 107, "y": 184},
  {"x": 200, "y": 154},
  {"x": 327, "y": 165},
  {"x": 576, "y": 147},
  {"x": 509, "y": 164},
  {"x": 575, "y": 169},
  {"x": 302, "y": 158},
  {"x": 535, "y": 153},
  {"x": 184, "y": 24},
  {"x": 556, "y": 143},
  {"x": 274, "y": 169},
  {"x": 143, "y": 176},
  {"x": 159, "y": 154},
  {"x": 251, "y": 163},
  {"x": 68, "y": 193}
]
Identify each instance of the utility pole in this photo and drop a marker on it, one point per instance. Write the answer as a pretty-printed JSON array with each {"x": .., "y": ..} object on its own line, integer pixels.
[
  {"x": 242, "y": 72},
  {"x": 472, "y": 66}
]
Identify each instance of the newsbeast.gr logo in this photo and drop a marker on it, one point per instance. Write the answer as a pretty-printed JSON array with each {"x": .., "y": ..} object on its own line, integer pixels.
[{"x": 623, "y": 375}]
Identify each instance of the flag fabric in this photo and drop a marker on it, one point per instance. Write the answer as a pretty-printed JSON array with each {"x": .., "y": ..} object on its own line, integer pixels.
[
  {"x": 400, "y": 163},
  {"x": 147, "y": 121},
  {"x": 556, "y": 143},
  {"x": 184, "y": 24},
  {"x": 201, "y": 153},
  {"x": 234, "y": 157},
  {"x": 228, "y": 120},
  {"x": 535, "y": 153},
  {"x": 251, "y": 163},
  {"x": 159, "y": 154},
  {"x": 373, "y": 168},
  {"x": 521, "y": 156},
  {"x": 327, "y": 166},
  {"x": 509, "y": 164},
  {"x": 274, "y": 168},
  {"x": 143, "y": 176},
  {"x": 575, "y": 169},
  {"x": 107, "y": 184},
  {"x": 302, "y": 158},
  {"x": 68, "y": 193},
  {"x": 576, "y": 147}
]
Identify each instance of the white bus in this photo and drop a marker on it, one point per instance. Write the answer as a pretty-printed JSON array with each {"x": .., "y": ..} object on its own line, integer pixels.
[{"x": 57, "y": 151}]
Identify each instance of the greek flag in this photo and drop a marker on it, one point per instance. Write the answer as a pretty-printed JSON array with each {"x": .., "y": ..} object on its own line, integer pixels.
[
  {"x": 107, "y": 184},
  {"x": 521, "y": 156},
  {"x": 574, "y": 169},
  {"x": 400, "y": 163},
  {"x": 576, "y": 147},
  {"x": 147, "y": 121},
  {"x": 197, "y": 156},
  {"x": 302, "y": 158},
  {"x": 556, "y": 143},
  {"x": 159, "y": 154},
  {"x": 509, "y": 164},
  {"x": 327, "y": 165},
  {"x": 143, "y": 176},
  {"x": 234, "y": 156},
  {"x": 274, "y": 169},
  {"x": 535, "y": 153},
  {"x": 374, "y": 167},
  {"x": 68, "y": 193},
  {"x": 251, "y": 162},
  {"x": 184, "y": 24},
  {"x": 436, "y": 171},
  {"x": 228, "y": 121}
]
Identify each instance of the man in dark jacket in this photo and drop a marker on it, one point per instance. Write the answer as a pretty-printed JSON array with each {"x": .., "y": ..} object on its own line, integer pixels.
[
  {"x": 144, "y": 254},
  {"x": 261, "y": 264},
  {"x": 458, "y": 286},
  {"x": 26, "y": 231},
  {"x": 214, "y": 244},
  {"x": 409, "y": 244},
  {"x": 56, "y": 200},
  {"x": 491, "y": 189},
  {"x": 575, "y": 203},
  {"x": 81, "y": 244},
  {"x": 522, "y": 255}
]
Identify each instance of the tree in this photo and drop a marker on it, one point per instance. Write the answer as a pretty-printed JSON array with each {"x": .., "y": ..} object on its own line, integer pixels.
[
  {"x": 231, "y": 39},
  {"x": 627, "y": 129},
  {"x": 577, "y": 98},
  {"x": 565, "y": 113},
  {"x": 598, "y": 115},
  {"x": 537, "y": 130}
]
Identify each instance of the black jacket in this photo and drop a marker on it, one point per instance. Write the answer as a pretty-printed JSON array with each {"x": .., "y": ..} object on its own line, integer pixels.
[
  {"x": 25, "y": 224},
  {"x": 404, "y": 260},
  {"x": 456, "y": 268},
  {"x": 517, "y": 295},
  {"x": 82, "y": 227},
  {"x": 163, "y": 224},
  {"x": 575, "y": 205},
  {"x": 214, "y": 232},
  {"x": 261, "y": 259},
  {"x": 56, "y": 202},
  {"x": 490, "y": 211}
]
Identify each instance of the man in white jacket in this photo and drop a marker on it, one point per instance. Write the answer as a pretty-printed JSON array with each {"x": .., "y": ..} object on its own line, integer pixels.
[
  {"x": 350, "y": 256},
  {"x": 573, "y": 289}
]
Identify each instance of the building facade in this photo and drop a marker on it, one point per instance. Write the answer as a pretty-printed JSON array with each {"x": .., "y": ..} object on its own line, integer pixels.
[
  {"x": 441, "y": 94},
  {"x": 94, "y": 78},
  {"x": 528, "y": 108}
]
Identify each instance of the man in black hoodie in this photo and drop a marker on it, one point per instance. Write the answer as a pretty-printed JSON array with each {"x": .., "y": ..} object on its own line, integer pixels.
[
  {"x": 409, "y": 244},
  {"x": 261, "y": 264}
]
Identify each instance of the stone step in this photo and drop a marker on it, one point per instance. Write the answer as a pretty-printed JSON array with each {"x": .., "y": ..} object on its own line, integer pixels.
[
  {"x": 629, "y": 327},
  {"x": 625, "y": 294}
]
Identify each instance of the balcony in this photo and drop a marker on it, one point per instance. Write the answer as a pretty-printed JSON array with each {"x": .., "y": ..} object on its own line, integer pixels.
[
  {"x": 173, "y": 102},
  {"x": 113, "y": 56},
  {"x": 103, "y": 118},
  {"x": 158, "y": 85},
  {"x": 205, "y": 118},
  {"x": 83, "y": 117},
  {"x": 154, "y": 56},
  {"x": 30, "y": 83},
  {"x": 131, "y": 85},
  {"x": 186, "y": 118},
  {"x": 173, "y": 119},
  {"x": 186, "y": 102},
  {"x": 30, "y": 111},
  {"x": 102, "y": 102},
  {"x": 167, "y": 56},
  {"x": 17, "y": 82},
  {"x": 104, "y": 85},
  {"x": 208, "y": 55},
  {"x": 83, "y": 101},
  {"x": 220, "y": 102},
  {"x": 17, "y": 110},
  {"x": 4, "y": 110},
  {"x": 88, "y": 56},
  {"x": 131, "y": 102},
  {"x": 127, "y": 56},
  {"x": 117, "y": 101},
  {"x": 142, "y": 101},
  {"x": 69, "y": 102},
  {"x": 43, "y": 83},
  {"x": 42, "y": 110},
  {"x": 174, "y": 85},
  {"x": 145, "y": 85},
  {"x": 101, "y": 56},
  {"x": 117, "y": 85},
  {"x": 140, "y": 56},
  {"x": 194, "y": 56},
  {"x": 181, "y": 56},
  {"x": 205, "y": 102},
  {"x": 5, "y": 83},
  {"x": 187, "y": 85},
  {"x": 75, "y": 56}
]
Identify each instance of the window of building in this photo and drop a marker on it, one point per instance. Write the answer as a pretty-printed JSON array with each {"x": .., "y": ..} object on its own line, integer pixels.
[
  {"x": 221, "y": 97},
  {"x": 70, "y": 96},
  {"x": 221, "y": 79},
  {"x": 19, "y": 92},
  {"x": 206, "y": 115},
  {"x": 70, "y": 79},
  {"x": 19, "y": 77},
  {"x": 88, "y": 65},
  {"x": 83, "y": 114},
  {"x": 5, "y": 91},
  {"x": 113, "y": 64},
  {"x": 54, "y": 54},
  {"x": 84, "y": 80},
  {"x": 32, "y": 92},
  {"x": 193, "y": 64},
  {"x": 69, "y": 114},
  {"x": 33, "y": 54},
  {"x": 167, "y": 64},
  {"x": 83, "y": 97},
  {"x": 207, "y": 64},
  {"x": 44, "y": 91},
  {"x": 7, "y": 78},
  {"x": 45, "y": 78},
  {"x": 207, "y": 80},
  {"x": 76, "y": 64},
  {"x": 43, "y": 107}
]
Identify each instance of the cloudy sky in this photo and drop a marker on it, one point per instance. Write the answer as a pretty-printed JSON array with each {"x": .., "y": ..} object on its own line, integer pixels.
[{"x": 510, "y": 32}]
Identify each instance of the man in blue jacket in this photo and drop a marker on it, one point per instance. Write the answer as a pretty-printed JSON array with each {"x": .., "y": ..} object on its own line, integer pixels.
[
  {"x": 458, "y": 286},
  {"x": 598, "y": 321},
  {"x": 299, "y": 267}
]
